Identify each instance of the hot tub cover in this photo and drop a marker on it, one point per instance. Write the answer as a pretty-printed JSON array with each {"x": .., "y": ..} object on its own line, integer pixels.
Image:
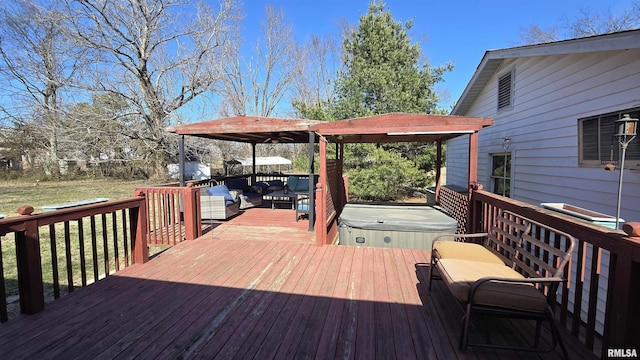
[{"x": 396, "y": 217}]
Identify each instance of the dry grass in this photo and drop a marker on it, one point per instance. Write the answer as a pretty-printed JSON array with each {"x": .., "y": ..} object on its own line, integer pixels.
[
  {"x": 16, "y": 193},
  {"x": 96, "y": 256}
]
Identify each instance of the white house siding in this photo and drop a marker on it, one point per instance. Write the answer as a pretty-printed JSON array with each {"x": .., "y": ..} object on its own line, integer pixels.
[{"x": 550, "y": 94}]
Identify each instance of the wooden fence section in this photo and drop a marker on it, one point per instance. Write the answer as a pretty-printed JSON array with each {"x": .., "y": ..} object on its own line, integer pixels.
[
  {"x": 578, "y": 302},
  {"x": 173, "y": 213},
  {"x": 82, "y": 244},
  {"x": 334, "y": 200}
]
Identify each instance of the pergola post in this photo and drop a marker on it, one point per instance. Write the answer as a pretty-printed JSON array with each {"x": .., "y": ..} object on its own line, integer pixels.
[
  {"x": 181, "y": 164},
  {"x": 253, "y": 157},
  {"x": 312, "y": 188},
  {"x": 438, "y": 167},
  {"x": 473, "y": 158}
]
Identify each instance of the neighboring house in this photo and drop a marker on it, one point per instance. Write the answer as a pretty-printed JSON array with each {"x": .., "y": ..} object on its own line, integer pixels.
[
  {"x": 556, "y": 102},
  {"x": 554, "y": 105}
]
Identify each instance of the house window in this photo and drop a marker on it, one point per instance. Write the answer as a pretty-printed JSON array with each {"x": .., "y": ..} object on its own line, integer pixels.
[
  {"x": 505, "y": 91},
  {"x": 598, "y": 146},
  {"x": 501, "y": 174}
]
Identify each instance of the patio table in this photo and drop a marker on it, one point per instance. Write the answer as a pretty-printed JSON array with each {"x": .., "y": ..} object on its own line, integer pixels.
[{"x": 280, "y": 196}]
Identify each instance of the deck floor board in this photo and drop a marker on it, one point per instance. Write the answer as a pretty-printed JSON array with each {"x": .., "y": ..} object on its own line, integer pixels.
[{"x": 222, "y": 297}]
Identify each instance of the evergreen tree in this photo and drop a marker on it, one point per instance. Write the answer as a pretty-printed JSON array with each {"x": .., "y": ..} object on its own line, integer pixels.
[{"x": 382, "y": 73}]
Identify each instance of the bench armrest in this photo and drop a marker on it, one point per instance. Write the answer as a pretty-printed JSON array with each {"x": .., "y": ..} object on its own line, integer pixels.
[{"x": 459, "y": 236}]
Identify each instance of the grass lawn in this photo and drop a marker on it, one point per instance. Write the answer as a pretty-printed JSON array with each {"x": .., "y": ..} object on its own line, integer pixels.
[
  {"x": 97, "y": 250},
  {"x": 16, "y": 193}
]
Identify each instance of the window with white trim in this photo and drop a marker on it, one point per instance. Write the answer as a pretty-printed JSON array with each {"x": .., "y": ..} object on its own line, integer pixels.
[
  {"x": 505, "y": 91},
  {"x": 598, "y": 146},
  {"x": 501, "y": 174}
]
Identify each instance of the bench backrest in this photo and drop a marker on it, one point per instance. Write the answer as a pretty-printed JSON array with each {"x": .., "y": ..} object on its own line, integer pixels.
[{"x": 529, "y": 247}]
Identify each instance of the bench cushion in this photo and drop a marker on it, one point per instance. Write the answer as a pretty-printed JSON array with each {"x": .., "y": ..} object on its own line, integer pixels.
[
  {"x": 465, "y": 251},
  {"x": 460, "y": 274}
]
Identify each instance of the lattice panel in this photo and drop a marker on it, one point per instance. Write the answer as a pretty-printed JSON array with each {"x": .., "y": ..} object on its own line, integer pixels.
[
  {"x": 333, "y": 175},
  {"x": 457, "y": 205}
]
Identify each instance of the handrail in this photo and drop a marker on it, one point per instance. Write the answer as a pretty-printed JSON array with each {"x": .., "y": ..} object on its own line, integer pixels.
[{"x": 112, "y": 232}]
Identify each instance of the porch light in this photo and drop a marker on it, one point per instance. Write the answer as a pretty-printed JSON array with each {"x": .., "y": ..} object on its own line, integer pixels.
[
  {"x": 626, "y": 129},
  {"x": 625, "y": 133}
]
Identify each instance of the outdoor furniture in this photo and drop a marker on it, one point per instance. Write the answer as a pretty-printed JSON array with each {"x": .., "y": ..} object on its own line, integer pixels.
[
  {"x": 249, "y": 196},
  {"x": 301, "y": 205},
  {"x": 218, "y": 203},
  {"x": 513, "y": 272},
  {"x": 282, "y": 196}
]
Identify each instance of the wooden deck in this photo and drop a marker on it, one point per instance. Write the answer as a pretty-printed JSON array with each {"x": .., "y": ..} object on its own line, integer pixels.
[
  {"x": 224, "y": 297},
  {"x": 261, "y": 223}
]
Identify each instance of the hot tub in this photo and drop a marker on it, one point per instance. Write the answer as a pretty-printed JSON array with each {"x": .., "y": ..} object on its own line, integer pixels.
[{"x": 410, "y": 226}]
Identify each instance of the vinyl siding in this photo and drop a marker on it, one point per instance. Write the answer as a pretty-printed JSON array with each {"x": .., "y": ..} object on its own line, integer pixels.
[{"x": 550, "y": 94}]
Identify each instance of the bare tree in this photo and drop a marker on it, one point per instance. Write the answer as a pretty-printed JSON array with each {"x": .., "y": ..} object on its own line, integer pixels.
[
  {"x": 315, "y": 82},
  {"x": 159, "y": 55},
  {"x": 38, "y": 63},
  {"x": 257, "y": 85},
  {"x": 585, "y": 23}
]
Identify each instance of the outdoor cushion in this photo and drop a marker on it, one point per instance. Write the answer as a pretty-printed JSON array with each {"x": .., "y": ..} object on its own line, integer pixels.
[
  {"x": 292, "y": 182},
  {"x": 276, "y": 183},
  {"x": 251, "y": 195},
  {"x": 238, "y": 184},
  {"x": 263, "y": 185},
  {"x": 460, "y": 274},
  {"x": 221, "y": 190},
  {"x": 465, "y": 251},
  {"x": 298, "y": 184}
]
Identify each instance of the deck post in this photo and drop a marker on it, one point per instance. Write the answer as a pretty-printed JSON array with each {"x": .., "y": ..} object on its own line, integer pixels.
[
  {"x": 321, "y": 192},
  {"x": 312, "y": 182},
  {"x": 473, "y": 158},
  {"x": 30, "y": 284},
  {"x": 192, "y": 222},
  {"x": 438, "y": 166},
  {"x": 139, "y": 221},
  {"x": 622, "y": 292}
]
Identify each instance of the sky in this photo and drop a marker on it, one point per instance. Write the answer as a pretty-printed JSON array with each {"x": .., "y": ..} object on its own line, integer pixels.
[{"x": 448, "y": 31}]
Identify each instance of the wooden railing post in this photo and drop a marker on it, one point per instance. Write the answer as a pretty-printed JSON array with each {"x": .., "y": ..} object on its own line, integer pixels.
[
  {"x": 345, "y": 187},
  {"x": 139, "y": 219},
  {"x": 474, "y": 219},
  {"x": 623, "y": 318},
  {"x": 191, "y": 215},
  {"x": 30, "y": 285}
]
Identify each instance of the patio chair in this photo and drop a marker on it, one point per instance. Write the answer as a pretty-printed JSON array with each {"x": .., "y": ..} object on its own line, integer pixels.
[
  {"x": 218, "y": 203},
  {"x": 301, "y": 204}
]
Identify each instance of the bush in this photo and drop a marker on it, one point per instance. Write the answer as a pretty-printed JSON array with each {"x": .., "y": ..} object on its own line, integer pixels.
[{"x": 381, "y": 175}]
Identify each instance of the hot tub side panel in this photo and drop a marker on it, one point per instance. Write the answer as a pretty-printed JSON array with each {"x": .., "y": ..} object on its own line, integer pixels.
[
  {"x": 409, "y": 227},
  {"x": 388, "y": 238}
]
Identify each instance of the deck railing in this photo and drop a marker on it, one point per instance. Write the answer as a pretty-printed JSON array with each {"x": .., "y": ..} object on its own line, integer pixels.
[
  {"x": 55, "y": 252},
  {"x": 597, "y": 304},
  {"x": 173, "y": 213}
]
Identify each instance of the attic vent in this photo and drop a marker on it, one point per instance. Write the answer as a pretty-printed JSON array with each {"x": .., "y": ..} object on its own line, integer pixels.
[{"x": 505, "y": 85}]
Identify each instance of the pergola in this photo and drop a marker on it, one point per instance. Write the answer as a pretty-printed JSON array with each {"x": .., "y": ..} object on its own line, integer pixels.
[{"x": 392, "y": 127}]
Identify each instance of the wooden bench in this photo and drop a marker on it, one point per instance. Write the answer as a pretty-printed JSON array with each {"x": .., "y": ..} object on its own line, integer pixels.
[{"x": 512, "y": 271}]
